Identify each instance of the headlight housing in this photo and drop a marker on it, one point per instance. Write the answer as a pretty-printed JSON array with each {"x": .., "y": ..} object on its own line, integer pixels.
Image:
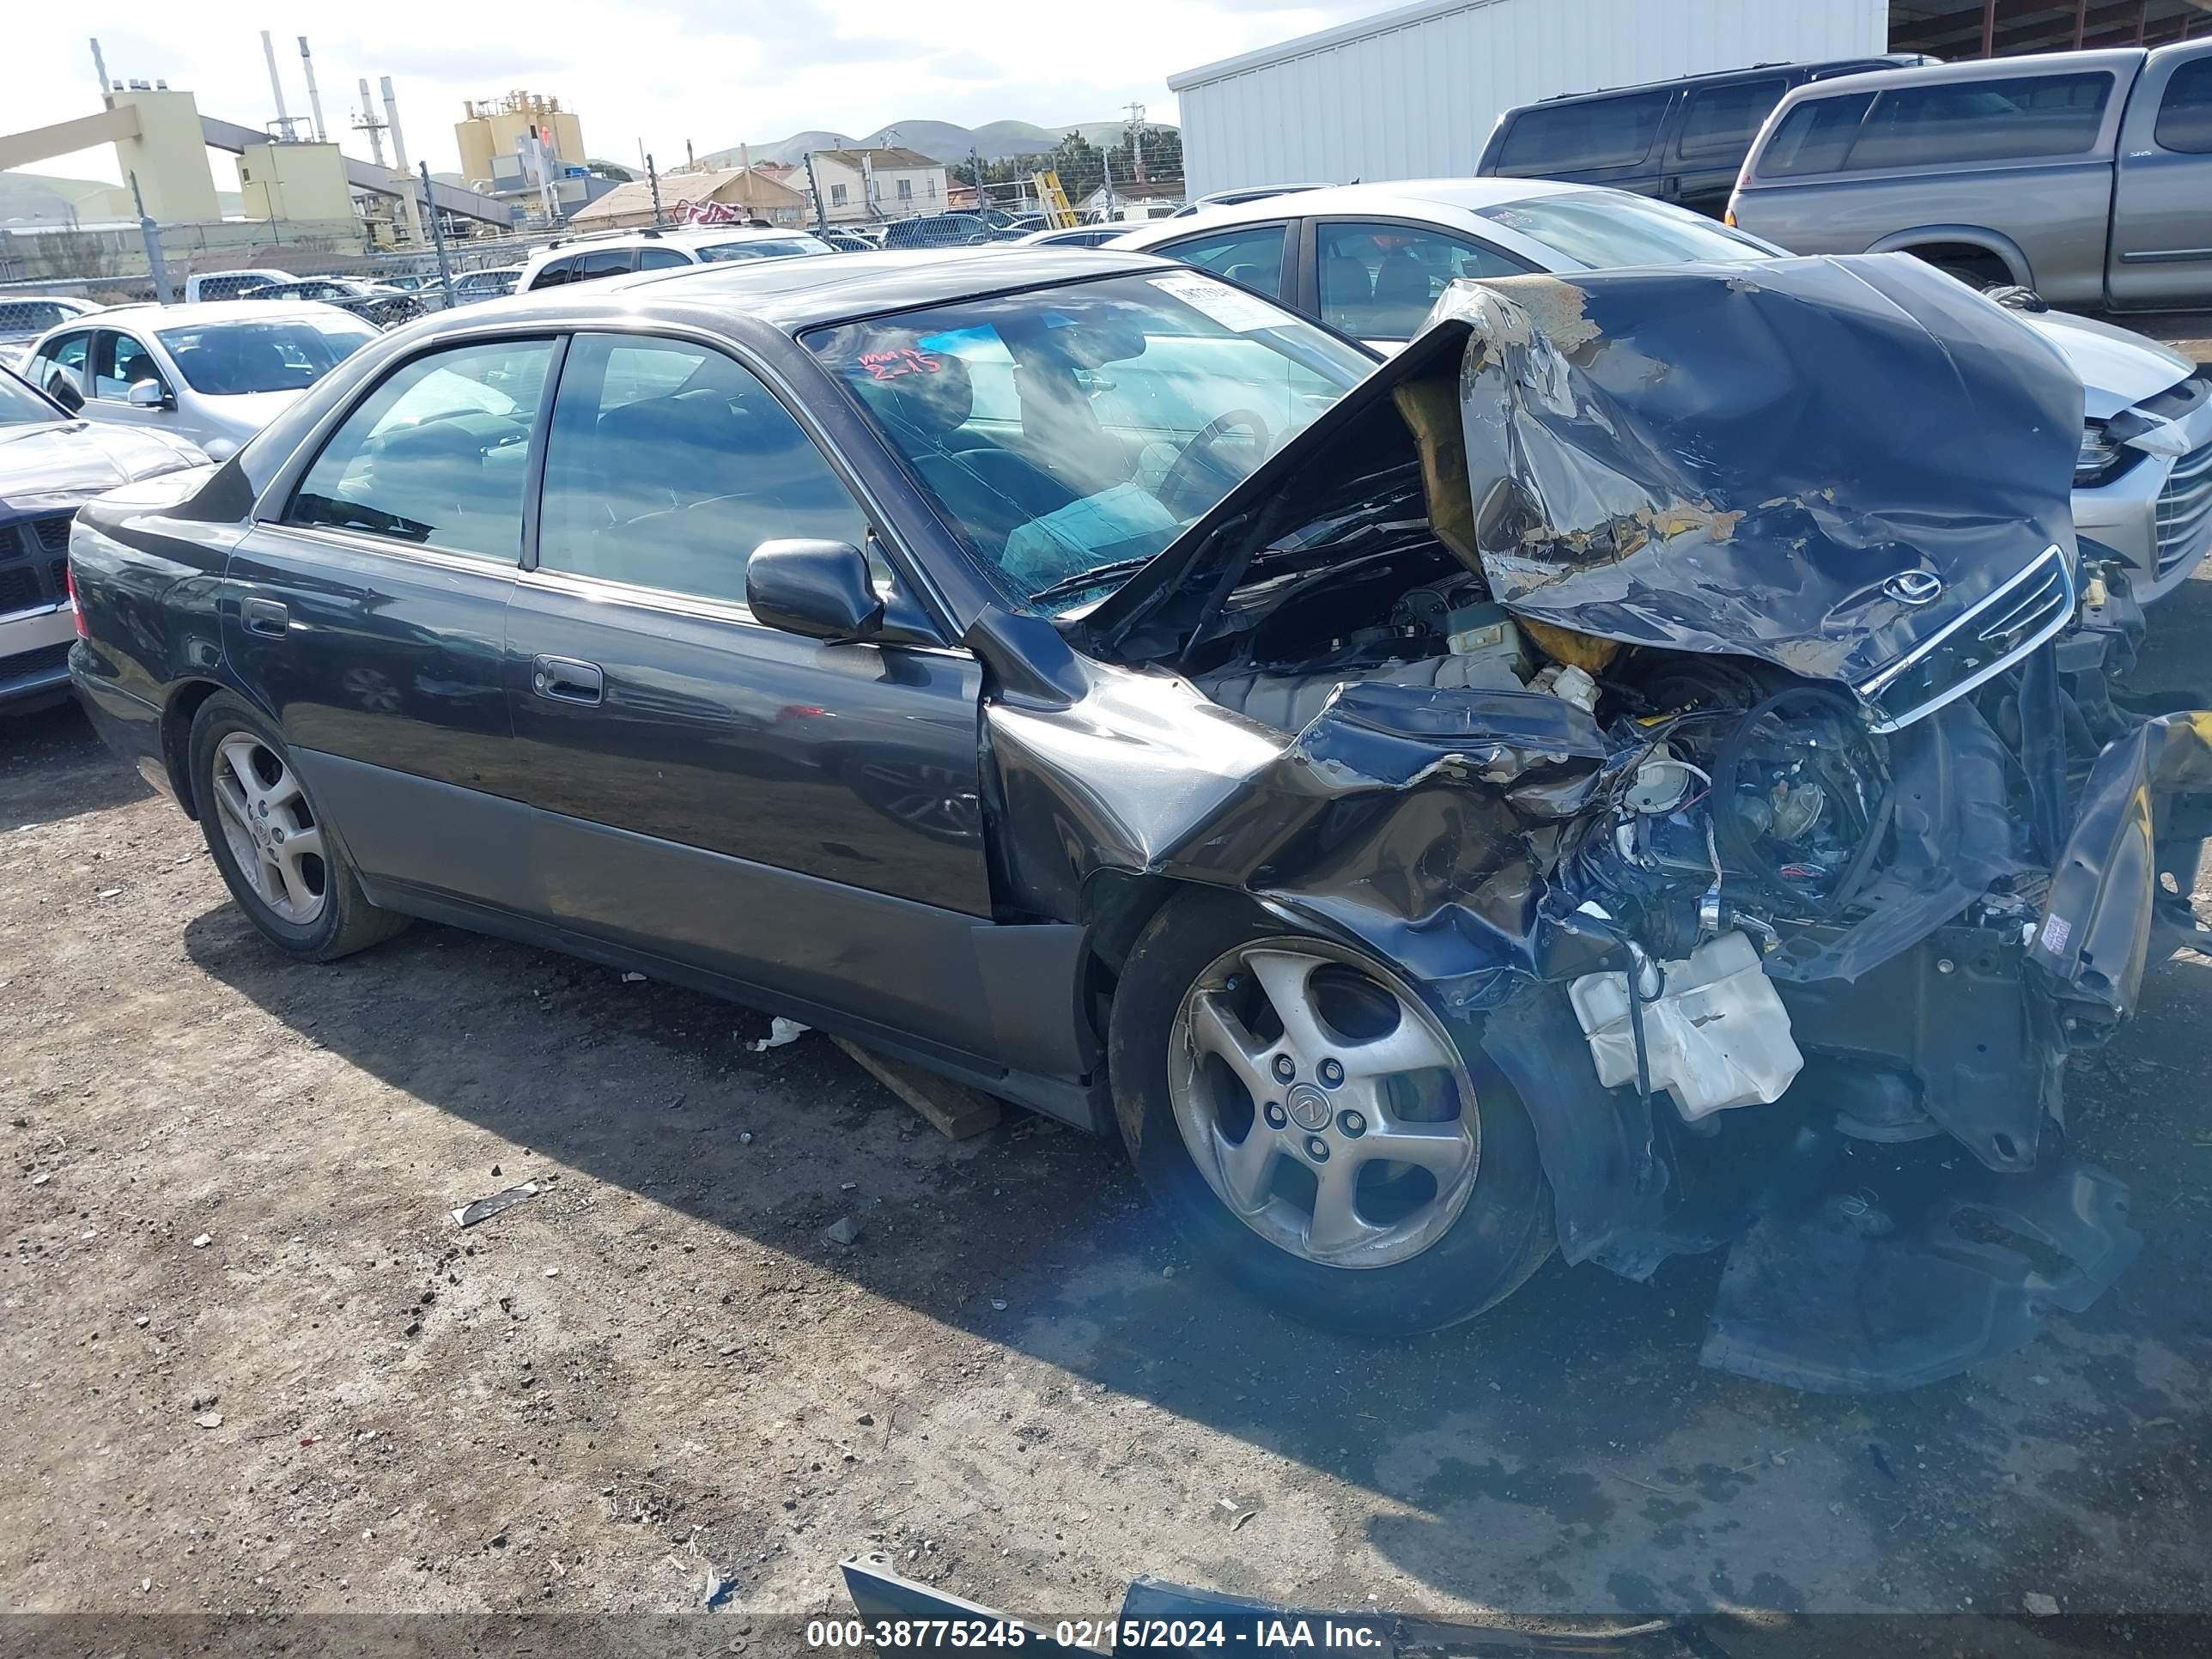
[{"x": 2100, "y": 459}]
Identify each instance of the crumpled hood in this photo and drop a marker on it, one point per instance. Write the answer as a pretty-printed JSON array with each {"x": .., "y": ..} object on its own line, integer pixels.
[
  {"x": 1724, "y": 459},
  {"x": 64, "y": 464}
]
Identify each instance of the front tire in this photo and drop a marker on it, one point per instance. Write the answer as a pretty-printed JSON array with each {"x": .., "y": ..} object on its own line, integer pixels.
[
  {"x": 283, "y": 864},
  {"x": 1314, "y": 1131}
]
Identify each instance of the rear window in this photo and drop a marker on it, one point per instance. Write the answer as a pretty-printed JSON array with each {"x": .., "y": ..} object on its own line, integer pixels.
[
  {"x": 2185, "y": 114},
  {"x": 1596, "y": 132},
  {"x": 29, "y": 317},
  {"x": 1719, "y": 123},
  {"x": 1968, "y": 121}
]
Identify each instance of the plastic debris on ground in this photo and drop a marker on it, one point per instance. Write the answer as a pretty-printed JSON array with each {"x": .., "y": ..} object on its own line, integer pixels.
[
  {"x": 779, "y": 1031},
  {"x": 483, "y": 1209}
]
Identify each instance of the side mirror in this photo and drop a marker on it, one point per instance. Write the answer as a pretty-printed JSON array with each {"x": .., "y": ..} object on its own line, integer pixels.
[
  {"x": 62, "y": 387},
  {"x": 149, "y": 394},
  {"x": 820, "y": 589}
]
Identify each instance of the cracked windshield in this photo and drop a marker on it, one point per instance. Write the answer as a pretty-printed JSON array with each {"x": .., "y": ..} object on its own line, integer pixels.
[{"x": 1247, "y": 827}]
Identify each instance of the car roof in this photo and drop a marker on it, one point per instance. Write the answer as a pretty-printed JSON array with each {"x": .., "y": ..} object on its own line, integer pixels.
[
  {"x": 203, "y": 311},
  {"x": 1409, "y": 195},
  {"x": 794, "y": 296},
  {"x": 1710, "y": 77}
]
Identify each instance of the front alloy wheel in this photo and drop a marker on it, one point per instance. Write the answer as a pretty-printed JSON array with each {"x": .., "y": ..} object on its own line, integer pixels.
[
  {"x": 1325, "y": 1108},
  {"x": 1315, "y": 1129}
]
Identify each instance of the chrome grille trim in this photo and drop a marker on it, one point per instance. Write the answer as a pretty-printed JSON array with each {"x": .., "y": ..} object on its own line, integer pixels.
[
  {"x": 2039, "y": 600},
  {"x": 2184, "y": 509}
]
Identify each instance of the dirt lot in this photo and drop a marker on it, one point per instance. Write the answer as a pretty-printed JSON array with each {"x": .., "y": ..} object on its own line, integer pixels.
[{"x": 252, "y": 1363}]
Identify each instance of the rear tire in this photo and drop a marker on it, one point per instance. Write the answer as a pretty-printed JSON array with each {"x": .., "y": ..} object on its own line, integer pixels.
[
  {"x": 285, "y": 864},
  {"x": 1409, "y": 1244}
]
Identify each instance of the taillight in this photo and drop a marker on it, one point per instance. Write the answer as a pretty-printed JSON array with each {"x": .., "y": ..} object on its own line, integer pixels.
[{"x": 76, "y": 611}]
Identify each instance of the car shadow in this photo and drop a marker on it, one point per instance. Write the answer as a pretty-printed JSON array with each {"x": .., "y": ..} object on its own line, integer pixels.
[
  {"x": 1572, "y": 1425},
  {"x": 53, "y": 766}
]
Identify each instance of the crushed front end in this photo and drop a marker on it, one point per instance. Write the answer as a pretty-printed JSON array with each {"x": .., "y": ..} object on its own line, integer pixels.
[{"x": 1693, "y": 682}]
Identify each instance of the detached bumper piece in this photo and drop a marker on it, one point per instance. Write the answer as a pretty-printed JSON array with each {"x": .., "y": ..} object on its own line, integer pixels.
[
  {"x": 1161, "y": 1618},
  {"x": 1887, "y": 1267}
]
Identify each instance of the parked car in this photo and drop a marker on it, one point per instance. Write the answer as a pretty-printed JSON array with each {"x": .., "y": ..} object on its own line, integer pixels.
[
  {"x": 846, "y": 241},
  {"x": 386, "y": 306},
  {"x": 425, "y": 285},
  {"x": 939, "y": 230},
  {"x": 588, "y": 258},
  {"x": 209, "y": 285},
  {"x": 474, "y": 287},
  {"x": 1272, "y": 826},
  {"x": 2084, "y": 175},
  {"x": 1220, "y": 198},
  {"x": 51, "y": 464},
  {"x": 25, "y": 317},
  {"x": 1680, "y": 140},
  {"x": 214, "y": 374},
  {"x": 1074, "y": 236},
  {"x": 1370, "y": 260}
]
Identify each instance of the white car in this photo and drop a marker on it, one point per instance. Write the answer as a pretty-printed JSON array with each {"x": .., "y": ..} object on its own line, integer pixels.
[
  {"x": 1369, "y": 260},
  {"x": 24, "y": 316},
  {"x": 473, "y": 287},
  {"x": 214, "y": 374},
  {"x": 584, "y": 259}
]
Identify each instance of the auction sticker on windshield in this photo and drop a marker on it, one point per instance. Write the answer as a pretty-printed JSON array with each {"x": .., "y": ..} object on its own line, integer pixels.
[{"x": 1229, "y": 307}]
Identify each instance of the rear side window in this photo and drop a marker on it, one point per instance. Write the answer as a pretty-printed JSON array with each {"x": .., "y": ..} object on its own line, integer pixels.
[
  {"x": 554, "y": 273},
  {"x": 1250, "y": 254},
  {"x": 1719, "y": 123},
  {"x": 1379, "y": 281},
  {"x": 1596, "y": 132},
  {"x": 1814, "y": 137},
  {"x": 669, "y": 463},
  {"x": 2185, "y": 114},
  {"x": 438, "y": 454},
  {"x": 659, "y": 258},
  {"x": 610, "y": 262},
  {"x": 1964, "y": 121}
]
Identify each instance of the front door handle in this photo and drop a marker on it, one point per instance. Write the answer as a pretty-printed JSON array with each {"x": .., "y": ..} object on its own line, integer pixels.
[
  {"x": 566, "y": 679},
  {"x": 265, "y": 617}
]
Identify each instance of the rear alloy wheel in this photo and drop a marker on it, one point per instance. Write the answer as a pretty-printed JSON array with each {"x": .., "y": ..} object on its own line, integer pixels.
[
  {"x": 283, "y": 864},
  {"x": 1315, "y": 1128}
]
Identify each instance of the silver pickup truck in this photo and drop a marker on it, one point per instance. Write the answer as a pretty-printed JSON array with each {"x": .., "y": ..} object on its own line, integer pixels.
[{"x": 2085, "y": 175}]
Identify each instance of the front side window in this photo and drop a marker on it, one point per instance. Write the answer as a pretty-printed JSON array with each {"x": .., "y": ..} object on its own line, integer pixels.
[
  {"x": 230, "y": 360},
  {"x": 669, "y": 463},
  {"x": 2185, "y": 114},
  {"x": 1966, "y": 121},
  {"x": 120, "y": 362},
  {"x": 1379, "y": 281},
  {"x": 1603, "y": 230},
  {"x": 438, "y": 455},
  {"x": 1719, "y": 122},
  {"x": 1599, "y": 132},
  {"x": 1250, "y": 254},
  {"x": 1067, "y": 434}
]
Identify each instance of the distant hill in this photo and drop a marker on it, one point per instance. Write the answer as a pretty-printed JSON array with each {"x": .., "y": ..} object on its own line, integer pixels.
[
  {"x": 45, "y": 198},
  {"x": 941, "y": 141}
]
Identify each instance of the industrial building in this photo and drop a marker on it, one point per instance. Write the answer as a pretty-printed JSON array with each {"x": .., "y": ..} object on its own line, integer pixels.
[
  {"x": 495, "y": 130},
  {"x": 1412, "y": 93}
]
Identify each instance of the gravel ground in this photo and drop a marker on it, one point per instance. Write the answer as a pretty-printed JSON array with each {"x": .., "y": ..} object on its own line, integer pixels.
[{"x": 253, "y": 1364}]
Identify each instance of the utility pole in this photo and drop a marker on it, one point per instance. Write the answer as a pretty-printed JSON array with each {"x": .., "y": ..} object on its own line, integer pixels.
[
  {"x": 975, "y": 162},
  {"x": 814, "y": 189},
  {"x": 438, "y": 236},
  {"x": 654, "y": 178},
  {"x": 1137, "y": 141},
  {"x": 156, "y": 266}
]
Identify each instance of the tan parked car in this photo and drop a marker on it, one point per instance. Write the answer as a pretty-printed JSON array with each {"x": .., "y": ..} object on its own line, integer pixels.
[{"x": 2085, "y": 175}]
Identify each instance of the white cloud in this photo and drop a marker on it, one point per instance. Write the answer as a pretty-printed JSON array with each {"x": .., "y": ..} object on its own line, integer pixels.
[{"x": 658, "y": 71}]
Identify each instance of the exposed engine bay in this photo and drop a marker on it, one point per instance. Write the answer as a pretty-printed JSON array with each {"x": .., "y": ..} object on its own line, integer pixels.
[{"x": 1762, "y": 801}]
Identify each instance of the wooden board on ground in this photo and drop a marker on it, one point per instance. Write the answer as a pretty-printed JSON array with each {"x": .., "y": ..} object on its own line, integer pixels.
[{"x": 957, "y": 1110}]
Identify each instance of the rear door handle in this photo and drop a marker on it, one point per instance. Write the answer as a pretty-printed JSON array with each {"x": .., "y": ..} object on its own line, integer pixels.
[
  {"x": 265, "y": 617},
  {"x": 566, "y": 679}
]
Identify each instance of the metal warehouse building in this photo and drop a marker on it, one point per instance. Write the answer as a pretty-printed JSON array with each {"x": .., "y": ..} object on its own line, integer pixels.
[{"x": 1412, "y": 93}]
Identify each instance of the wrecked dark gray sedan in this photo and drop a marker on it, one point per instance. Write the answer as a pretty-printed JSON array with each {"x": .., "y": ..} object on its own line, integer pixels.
[{"x": 1639, "y": 774}]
